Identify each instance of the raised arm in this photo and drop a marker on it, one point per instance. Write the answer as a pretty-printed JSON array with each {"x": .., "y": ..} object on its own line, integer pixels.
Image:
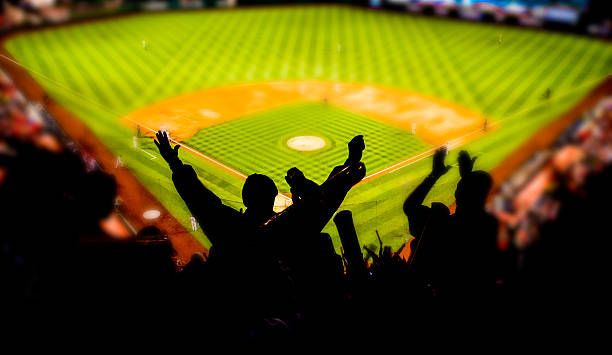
[
  {"x": 343, "y": 177},
  {"x": 315, "y": 205},
  {"x": 204, "y": 205},
  {"x": 356, "y": 147},
  {"x": 416, "y": 198}
]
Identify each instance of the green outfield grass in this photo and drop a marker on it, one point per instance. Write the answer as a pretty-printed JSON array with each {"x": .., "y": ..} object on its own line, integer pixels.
[{"x": 101, "y": 72}]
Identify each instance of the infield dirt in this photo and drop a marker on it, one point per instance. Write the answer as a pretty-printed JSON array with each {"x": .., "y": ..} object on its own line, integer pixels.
[{"x": 436, "y": 122}]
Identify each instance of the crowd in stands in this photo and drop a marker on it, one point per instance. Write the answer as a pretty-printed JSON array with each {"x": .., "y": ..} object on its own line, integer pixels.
[
  {"x": 553, "y": 211},
  {"x": 527, "y": 200},
  {"x": 56, "y": 205},
  {"x": 272, "y": 278}
]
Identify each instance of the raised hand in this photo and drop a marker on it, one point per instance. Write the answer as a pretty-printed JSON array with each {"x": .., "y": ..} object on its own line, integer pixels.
[
  {"x": 356, "y": 147},
  {"x": 439, "y": 168},
  {"x": 169, "y": 154},
  {"x": 466, "y": 163},
  {"x": 294, "y": 177}
]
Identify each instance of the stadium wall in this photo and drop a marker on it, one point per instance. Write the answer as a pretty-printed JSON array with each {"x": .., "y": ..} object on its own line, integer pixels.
[{"x": 594, "y": 19}]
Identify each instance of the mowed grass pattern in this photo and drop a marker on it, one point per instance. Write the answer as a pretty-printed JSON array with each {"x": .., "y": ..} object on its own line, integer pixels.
[
  {"x": 257, "y": 143},
  {"x": 101, "y": 72},
  {"x": 457, "y": 61}
]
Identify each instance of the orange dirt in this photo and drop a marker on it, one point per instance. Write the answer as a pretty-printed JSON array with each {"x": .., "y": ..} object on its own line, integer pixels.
[{"x": 437, "y": 122}]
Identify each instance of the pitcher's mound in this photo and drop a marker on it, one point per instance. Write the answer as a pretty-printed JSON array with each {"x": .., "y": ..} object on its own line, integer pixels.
[{"x": 306, "y": 143}]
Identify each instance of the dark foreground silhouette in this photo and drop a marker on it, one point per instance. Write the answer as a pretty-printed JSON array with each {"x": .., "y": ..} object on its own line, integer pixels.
[{"x": 455, "y": 254}]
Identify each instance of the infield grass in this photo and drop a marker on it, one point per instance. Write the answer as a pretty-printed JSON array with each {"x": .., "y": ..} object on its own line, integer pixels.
[{"x": 258, "y": 143}]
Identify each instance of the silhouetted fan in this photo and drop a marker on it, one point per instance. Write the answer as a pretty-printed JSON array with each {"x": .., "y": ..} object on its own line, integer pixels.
[{"x": 320, "y": 202}]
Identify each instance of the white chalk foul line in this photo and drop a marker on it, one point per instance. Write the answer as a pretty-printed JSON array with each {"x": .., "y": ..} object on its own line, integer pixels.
[
  {"x": 459, "y": 141},
  {"x": 151, "y": 155},
  {"x": 104, "y": 107},
  {"x": 198, "y": 153}
]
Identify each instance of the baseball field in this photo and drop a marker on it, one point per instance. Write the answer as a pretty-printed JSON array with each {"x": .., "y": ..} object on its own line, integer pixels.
[{"x": 268, "y": 88}]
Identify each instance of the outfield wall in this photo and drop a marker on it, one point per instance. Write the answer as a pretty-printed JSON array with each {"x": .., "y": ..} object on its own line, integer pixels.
[{"x": 595, "y": 19}]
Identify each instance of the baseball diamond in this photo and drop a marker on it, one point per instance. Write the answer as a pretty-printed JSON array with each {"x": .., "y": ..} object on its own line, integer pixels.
[{"x": 235, "y": 86}]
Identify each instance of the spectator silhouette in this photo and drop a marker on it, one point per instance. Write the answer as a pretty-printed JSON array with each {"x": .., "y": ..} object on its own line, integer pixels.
[
  {"x": 245, "y": 275},
  {"x": 258, "y": 194},
  {"x": 259, "y": 256},
  {"x": 456, "y": 253},
  {"x": 313, "y": 204},
  {"x": 44, "y": 219}
]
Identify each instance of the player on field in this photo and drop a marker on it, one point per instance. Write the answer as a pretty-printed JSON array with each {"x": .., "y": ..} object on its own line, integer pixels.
[
  {"x": 118, "y": 162},
  {"x": 194, "y": 223}
]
